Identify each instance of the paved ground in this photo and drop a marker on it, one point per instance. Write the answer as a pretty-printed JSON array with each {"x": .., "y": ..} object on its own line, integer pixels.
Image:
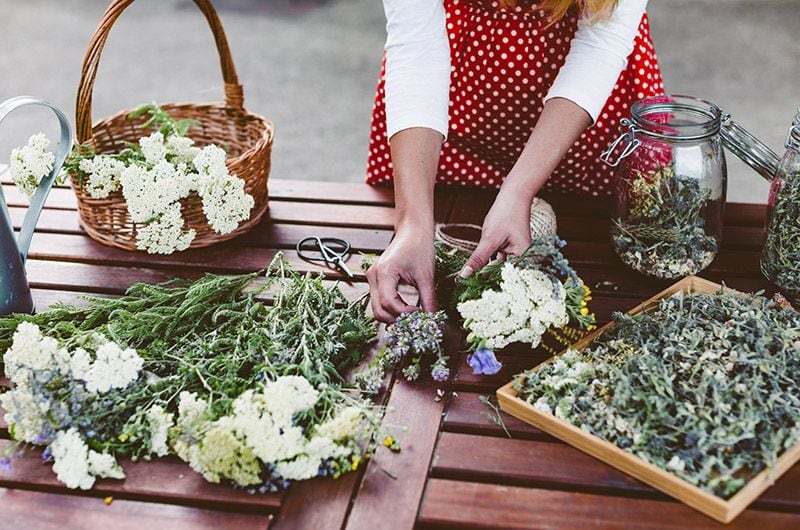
[{"x": 311, "y": 67}]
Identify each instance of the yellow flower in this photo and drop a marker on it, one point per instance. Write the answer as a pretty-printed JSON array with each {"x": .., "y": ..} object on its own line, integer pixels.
[
  {"x": 123, "y": 438},
  {"x": 584, "y": 311},
  {"x": 583, "y": 303},
  {"x": 591, "y": 328},
  {"x": 108, "y": 500},
  {"x": 356, "y": 461},
  {"x": 388, "y": 441},
  {"x": 586, "y": 289}
]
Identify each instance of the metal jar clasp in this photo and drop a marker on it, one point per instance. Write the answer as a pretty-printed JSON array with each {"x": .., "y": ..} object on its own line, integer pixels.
[{"x": 632, "y": 144}]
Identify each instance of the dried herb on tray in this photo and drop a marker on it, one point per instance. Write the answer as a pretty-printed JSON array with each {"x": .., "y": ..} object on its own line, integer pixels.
[
  {"x": 705, "y": 386},
  {"x": 664, "y": 231}
]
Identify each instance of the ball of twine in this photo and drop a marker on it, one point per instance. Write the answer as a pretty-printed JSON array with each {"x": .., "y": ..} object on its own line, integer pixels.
[{"x": 543, "y": 223}]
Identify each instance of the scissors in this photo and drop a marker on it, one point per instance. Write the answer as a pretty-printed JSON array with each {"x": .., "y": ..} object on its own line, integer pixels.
[{"x": 332, "y": 250}]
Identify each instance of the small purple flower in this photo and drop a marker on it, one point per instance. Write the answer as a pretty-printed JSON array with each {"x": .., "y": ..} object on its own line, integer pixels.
[
  {"x": 484, "y": 362},
  {"x": 5, "y": 464},
  {"x": 440, "y": 373}
]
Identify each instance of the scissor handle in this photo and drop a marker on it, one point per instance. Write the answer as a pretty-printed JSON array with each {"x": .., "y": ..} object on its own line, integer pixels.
[
  {"x": 322, "y": 244},
  {"x": 336, "y": 256}
]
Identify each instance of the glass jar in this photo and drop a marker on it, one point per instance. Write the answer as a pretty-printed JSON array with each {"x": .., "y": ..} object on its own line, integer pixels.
[
  {"x": 671, "y": 182},
  {"x": 780, "y": 260}
]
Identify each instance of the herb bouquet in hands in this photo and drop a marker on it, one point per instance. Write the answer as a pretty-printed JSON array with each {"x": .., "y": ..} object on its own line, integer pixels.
[
  {"x": 518, "y": 300},
  {"x": 246, "y": 392}
]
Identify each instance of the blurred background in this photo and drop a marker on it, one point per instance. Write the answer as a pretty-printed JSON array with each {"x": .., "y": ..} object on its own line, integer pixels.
[{"x": 311, "y": 66}]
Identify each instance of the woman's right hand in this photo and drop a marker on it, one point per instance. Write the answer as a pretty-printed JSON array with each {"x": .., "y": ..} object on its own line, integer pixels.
[{"x": 409, "y": 258}]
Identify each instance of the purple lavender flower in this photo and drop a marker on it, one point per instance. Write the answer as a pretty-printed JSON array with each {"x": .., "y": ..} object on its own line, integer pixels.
[
  {"x": 440, "y": 373},
  {"x": 484, "y": 362},
  {"x": 5, "y": 464}
]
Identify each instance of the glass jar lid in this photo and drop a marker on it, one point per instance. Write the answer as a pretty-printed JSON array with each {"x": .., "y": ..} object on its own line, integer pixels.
[
  {"x": 748, "y": 148},
  {"x": 676, "y": 118},
  {"x": 793, "y": 136}
]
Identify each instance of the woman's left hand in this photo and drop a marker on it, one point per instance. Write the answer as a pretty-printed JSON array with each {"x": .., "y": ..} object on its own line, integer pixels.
[{"x": 506, "y": 231}]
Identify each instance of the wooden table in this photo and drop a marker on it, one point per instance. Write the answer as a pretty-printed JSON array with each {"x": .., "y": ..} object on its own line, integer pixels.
[{"x": 457, "y": 468}]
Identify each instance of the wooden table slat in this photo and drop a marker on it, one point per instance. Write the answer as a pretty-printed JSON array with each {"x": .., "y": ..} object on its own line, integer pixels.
[
  {"x": 457, "y": 504},
  {"x": 535, "y": 463},
  {"x": 24, "y": 509},
  {"x": 164, "y": 480},
  {"x": 467, "y": 414}
]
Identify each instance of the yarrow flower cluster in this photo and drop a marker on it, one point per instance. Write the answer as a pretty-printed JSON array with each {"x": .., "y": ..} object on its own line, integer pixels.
[
  {"x": 265, "y": 441},
  {"x": 417, "y": 335},
  {"x": 527, "y": 303},
  {"x": 31, "y": 163},
  {"x": 156, "y": 175},
  {"x": 264, "y": 438},
  {"x": 50, "y": 387}
]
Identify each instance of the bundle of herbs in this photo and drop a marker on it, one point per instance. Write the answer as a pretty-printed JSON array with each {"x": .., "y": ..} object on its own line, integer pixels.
[
  {"x": 245, "y": 391},
  {"x": 517, "y": 300},
  {"x": 780, "y": 260},
  {"x": 664, "y": 233},
  {"x": 705, "y": 386}
]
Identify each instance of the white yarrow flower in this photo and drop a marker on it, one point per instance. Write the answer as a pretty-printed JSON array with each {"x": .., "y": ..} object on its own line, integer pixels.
[
  {"x": 76, "y": 465},
  {"x": 103, "y": 173},
  {"x": 527, "y": 304},
  {"x": 181, "y": 149},
  {"x": 153, "y": 148},
  {"x": 112, "y": 368},
  {"x": 160, "y": 422},
  {"x": 166, "y": 234},
  {"x": 31, "y": 163},
  {"x": 347, "y": 423}
]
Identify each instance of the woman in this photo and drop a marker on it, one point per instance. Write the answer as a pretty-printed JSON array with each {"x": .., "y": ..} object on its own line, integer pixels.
[{"x": 497, "y": 93}]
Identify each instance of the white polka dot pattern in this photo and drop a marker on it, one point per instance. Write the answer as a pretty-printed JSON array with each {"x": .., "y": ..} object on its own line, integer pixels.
[{"x": 503, "y": 63}]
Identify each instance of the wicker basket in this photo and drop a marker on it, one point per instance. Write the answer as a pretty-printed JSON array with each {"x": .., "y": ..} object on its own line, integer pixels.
[{"x": 247, "y": 138}]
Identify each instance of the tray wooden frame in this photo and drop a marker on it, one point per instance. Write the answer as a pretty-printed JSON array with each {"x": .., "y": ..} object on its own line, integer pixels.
[{"x": 709, "y": 504}]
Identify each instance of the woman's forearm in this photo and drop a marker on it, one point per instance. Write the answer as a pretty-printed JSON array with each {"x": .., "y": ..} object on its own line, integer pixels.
[
  {"x": 560, "y": 124},
  {"x": 415, "y": 157}
]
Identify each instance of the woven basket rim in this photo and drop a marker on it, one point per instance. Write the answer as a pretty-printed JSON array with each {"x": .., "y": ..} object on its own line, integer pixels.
[{"x": 268, "y": 131}]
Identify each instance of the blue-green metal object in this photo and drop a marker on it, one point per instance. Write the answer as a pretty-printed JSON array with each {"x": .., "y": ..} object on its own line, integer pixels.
[{"x": 15, "y": 293}]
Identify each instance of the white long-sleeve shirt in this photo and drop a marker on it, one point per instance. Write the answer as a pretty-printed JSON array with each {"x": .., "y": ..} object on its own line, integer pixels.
[{"x": 418, "y": 62}]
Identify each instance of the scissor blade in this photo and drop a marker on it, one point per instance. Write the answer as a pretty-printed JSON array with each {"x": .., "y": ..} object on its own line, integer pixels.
[{"x": 343, "y": 266}]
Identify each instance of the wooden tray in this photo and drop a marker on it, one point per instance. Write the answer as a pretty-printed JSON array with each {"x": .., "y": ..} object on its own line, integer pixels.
[{"x": 703, "y": 501}]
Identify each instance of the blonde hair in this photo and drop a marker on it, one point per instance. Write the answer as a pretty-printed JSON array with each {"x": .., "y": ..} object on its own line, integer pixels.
[{"x": 594, "y": 9}]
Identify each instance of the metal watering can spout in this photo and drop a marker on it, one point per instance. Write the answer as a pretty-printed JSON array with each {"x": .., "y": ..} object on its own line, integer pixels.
[{"x": 15, "y": 293}]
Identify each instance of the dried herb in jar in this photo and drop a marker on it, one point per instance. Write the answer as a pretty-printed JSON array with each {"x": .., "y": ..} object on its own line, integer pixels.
[
  {"x": 664, "y": 233},
  {"x": 780, "y": 261}
]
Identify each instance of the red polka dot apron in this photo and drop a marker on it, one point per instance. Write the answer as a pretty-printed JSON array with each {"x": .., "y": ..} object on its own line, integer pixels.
[{"x": 504, "y": 61}]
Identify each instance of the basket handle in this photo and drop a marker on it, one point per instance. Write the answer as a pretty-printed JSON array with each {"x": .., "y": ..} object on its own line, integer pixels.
[{"x": 234, "y": 97}]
